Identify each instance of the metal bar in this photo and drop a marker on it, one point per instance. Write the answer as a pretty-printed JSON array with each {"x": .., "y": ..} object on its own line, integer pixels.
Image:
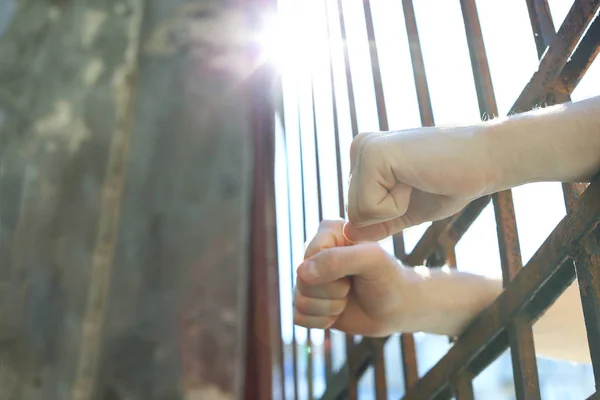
[
  {"x": 463, "y": 387},
  {"x": 588, "y": 275},
  {"x": 292, "y": 269},
  {"x": 541, "y": 24},
  {"x": 409, "y": 359},
  {"x": 352, "y": 384},
  {"x": 587, "y": 265},
  {"x": 418, "y": 65},
  {"x": 587, "y": 50},
  {"x": 519, "y": 332},
  {"x": 453, "y": 228},
  {"x": 361, "y": 356},
  {"x": 533, "y": 281},
  {"x": 352, "y": 379},
  {"x": 559, "y": 51},
  {"x": 380, "y": 381},
  {"x": 407, "y": 341}
]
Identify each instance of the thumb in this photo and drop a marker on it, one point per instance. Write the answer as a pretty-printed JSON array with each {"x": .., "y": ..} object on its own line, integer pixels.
[{"x": 333, "y": 264}]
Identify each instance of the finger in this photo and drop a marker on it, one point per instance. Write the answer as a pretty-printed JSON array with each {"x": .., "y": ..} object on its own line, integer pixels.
[
  {"x": 318, "y": 307},
  {"x": 333, "y": 264},
  {"x": 329, "y": 235},
  {"x": 313, "y": 322},
  {"x": 355, "y": 147},
  {"x": 334, "y": 290},
  {"x": 375, "y": 232}
]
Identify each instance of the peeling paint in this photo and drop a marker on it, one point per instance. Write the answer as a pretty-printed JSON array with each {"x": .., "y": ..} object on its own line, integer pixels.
[
  {"x": 92, "y": 71},
  {"x": 58, "y": 119},
  {"x": 79, "y": 134},
  {"x": 92, "y": 21},
  {"x": 60, "y": 123}
]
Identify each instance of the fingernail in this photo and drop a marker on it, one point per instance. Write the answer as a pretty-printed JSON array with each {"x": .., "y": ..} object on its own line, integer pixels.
[{"x": 310, "y": 268}]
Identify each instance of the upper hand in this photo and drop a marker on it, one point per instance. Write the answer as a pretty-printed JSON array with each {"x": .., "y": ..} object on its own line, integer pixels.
[
  {"x": 357, "y": 289},
  {"x": 401, "y": 179}
]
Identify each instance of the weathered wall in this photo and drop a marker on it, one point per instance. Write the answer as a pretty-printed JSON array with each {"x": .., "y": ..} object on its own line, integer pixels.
[{"x": 125, "y": 195}]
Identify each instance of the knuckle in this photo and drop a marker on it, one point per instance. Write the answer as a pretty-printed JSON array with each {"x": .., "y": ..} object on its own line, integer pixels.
[{"x": 376, "y": 252}]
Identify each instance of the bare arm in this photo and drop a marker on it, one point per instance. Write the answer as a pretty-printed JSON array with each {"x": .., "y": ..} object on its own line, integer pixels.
[
  {"x": 448, "y": 300},
  {"x": 559, "y": 143}
]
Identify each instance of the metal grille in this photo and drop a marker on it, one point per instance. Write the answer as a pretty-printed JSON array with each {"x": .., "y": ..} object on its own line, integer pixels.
[{"x": 570, "y": 252}]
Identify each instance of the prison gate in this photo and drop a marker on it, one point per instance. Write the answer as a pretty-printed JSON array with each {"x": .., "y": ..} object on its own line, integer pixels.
[
  {"x": 569, "y": 253},
  {"x": 139, "y": 224}
]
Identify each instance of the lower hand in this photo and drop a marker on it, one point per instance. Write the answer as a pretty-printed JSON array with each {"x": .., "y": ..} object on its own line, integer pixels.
[{"x": 358, "y": 289}]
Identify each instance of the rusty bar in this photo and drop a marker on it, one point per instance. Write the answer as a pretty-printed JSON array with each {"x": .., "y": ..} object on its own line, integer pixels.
[
  {"x": 541, "y": 24},
  {"x": 409, "y": 359},
  {"x": 587, "y": 50},
  {"x": 380, "y": 381},
  {"x": 407, "y": 341},
  {"x": 352, "y": 384},
  {"x": 361, "y": 356},
  {"x": 543, "y": 32},
  {"x": 545, "y": 277},
  {"x": 264, "y": 325},
  {"x": 418, "y": 65},
  {"x": 588, "y": 275},
  {"x": 352, "y": 380},
  {"x": 463, "y": 387},
  {"x": 374, "y": 55},
  {"x": 453, "y": 228},
  {"x": 519, "y": 332},
  {"x": 559, "y": 51}
]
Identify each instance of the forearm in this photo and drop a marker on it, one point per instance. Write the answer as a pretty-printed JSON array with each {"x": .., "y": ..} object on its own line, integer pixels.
[
  {"x": 444, "y": 301},
  {"x": 559, "y": 143}
]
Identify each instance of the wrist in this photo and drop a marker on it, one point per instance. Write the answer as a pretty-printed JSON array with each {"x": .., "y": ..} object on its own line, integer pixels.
[{"x": 513, "y": 160}]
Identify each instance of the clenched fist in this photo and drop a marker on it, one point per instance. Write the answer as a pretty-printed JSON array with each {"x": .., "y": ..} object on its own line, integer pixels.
[
  {"x": 356, "y": 289},
  {"x": 401, "y": 179}
]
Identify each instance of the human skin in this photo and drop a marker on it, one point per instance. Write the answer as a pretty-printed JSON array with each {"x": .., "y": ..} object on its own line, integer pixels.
[{"x": 400, "y": 179}]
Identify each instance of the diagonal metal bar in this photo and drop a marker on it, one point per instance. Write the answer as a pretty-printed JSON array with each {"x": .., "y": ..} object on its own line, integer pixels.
[
  {"x": 453, "y": 228},
  {"x": 558, "y": 53},
  {"x": 536, "y": 280}
]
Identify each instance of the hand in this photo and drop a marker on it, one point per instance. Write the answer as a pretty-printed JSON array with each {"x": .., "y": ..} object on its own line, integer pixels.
[
  {"x": 402, "y": 179},
  {"x": 358, "y": 289}
]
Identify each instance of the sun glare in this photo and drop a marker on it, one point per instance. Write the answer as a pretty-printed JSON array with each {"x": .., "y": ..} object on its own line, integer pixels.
[{"x": 288, "y": 43}]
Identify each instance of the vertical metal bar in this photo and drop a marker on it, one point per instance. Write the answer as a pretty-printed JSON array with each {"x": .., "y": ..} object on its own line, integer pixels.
[
  {"x": 520, "y": 333},
  {"x": 407, "y": 341},
  {"x": 380, "y": 381},
  {"x": 409, "y": 360},
  {"x": 463, "y": 385},
  {"x": 352, "y": 381},
  {"x": 587, "y": 264},
  {"x": 463, "y": 388},
  {"x": 418, "y": 65},
  {"x": 588, "y": 276},
  {"x": 292, "y": 269}
]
